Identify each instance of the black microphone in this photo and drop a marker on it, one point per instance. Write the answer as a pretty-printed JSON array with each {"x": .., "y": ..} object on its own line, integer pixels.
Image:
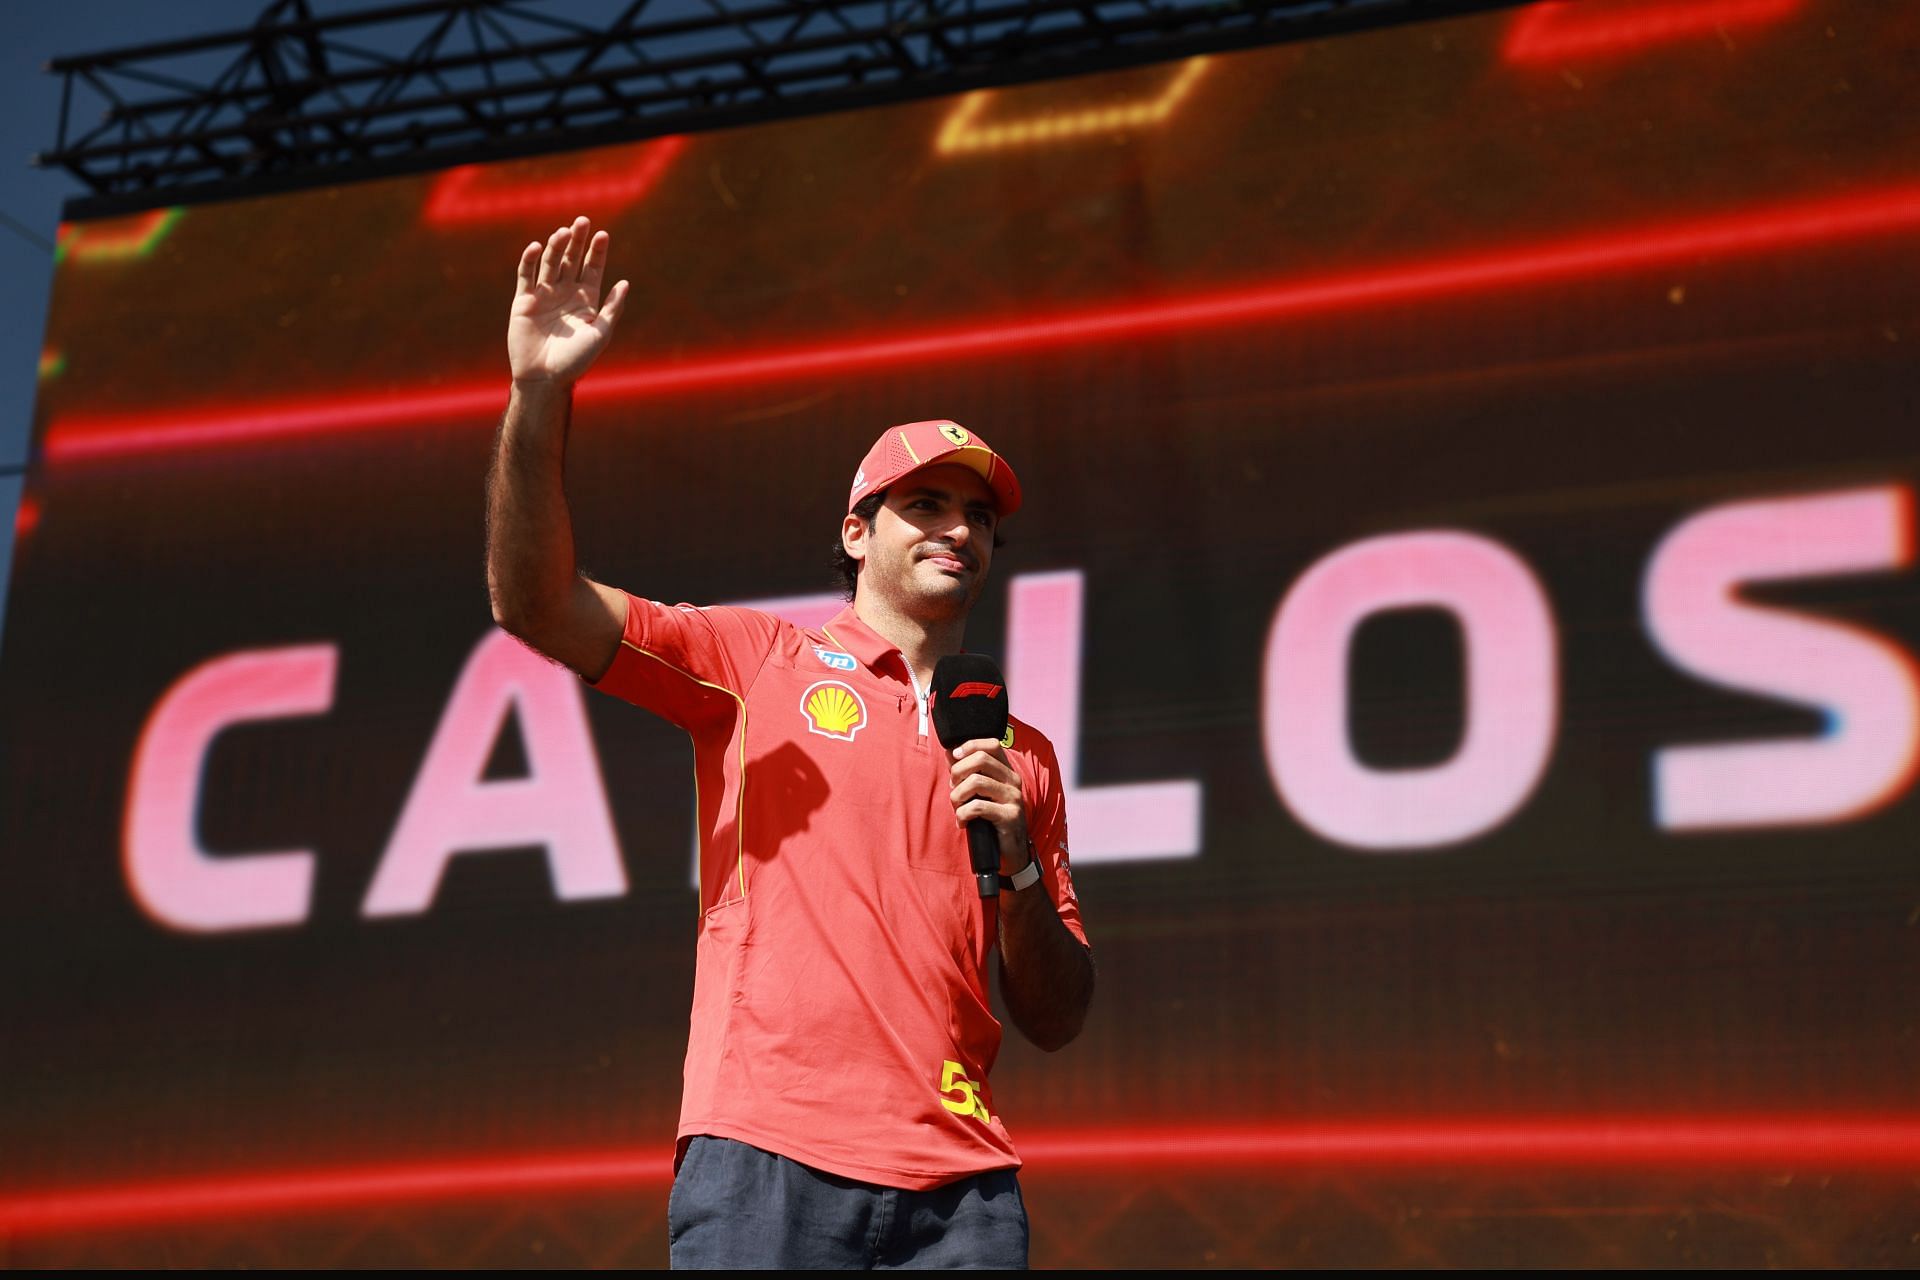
[{"x": 970, "y": 701}]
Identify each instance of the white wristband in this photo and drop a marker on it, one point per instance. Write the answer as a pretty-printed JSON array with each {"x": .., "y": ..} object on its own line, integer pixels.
[{"x": 1025, "y": 876}]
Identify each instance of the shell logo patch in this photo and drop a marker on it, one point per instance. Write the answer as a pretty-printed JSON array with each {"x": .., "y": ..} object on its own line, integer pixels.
[
  {"x": 1006, "y": 739},
  {"x": 954, "y": 432},
  {"x": 833, "y": 710}
]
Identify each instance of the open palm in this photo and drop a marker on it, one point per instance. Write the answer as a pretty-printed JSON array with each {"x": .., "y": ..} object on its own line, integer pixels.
[{"x": 558, "y": 324}]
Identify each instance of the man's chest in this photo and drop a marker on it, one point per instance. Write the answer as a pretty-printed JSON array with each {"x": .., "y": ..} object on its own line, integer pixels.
[{"x": 849, "y": 752}]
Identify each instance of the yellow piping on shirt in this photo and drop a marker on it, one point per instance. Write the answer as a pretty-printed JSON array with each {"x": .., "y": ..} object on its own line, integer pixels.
[{"x": 740, "y": 816}]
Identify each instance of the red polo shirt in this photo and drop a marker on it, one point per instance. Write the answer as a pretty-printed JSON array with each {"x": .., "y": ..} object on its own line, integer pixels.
[{"x": 840, "y": 1012}]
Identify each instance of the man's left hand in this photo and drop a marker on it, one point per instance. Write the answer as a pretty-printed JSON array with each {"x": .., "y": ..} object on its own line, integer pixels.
[{"x": 985, "y": 785}]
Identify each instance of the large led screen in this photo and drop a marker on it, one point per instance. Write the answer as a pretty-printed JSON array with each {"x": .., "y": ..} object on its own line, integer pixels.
[{"x": 1468, "y": 573}]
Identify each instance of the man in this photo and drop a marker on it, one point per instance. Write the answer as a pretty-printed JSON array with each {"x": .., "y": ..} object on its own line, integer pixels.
[{"x": 836, "y": 1109}]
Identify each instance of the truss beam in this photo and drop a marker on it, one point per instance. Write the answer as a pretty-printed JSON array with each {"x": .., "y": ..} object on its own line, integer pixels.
[{"x": 299, "y": 99}]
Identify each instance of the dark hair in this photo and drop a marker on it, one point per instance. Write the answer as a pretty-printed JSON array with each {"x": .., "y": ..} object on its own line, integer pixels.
[
  {"x": 843, "y": 564},
  {"x": 847, "y": 567}
]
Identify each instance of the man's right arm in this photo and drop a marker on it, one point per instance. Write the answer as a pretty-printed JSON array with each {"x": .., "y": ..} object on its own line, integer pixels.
[
  {"x": 556, "y": 329},
  {"x": 537, "y": 590}
]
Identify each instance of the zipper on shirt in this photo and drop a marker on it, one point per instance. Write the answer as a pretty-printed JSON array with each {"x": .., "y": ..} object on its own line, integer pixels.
[{"x": 920, "y": 697}]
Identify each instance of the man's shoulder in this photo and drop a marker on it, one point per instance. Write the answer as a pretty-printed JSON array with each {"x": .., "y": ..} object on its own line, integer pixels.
[
  {"x": 742, "y": 617},
  {"x": 745, "y": 637},
  {"x": 797, "y": 645}
]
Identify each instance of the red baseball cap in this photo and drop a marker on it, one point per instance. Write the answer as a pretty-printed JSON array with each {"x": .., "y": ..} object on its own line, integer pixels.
[{"x": 904, "y": 449}]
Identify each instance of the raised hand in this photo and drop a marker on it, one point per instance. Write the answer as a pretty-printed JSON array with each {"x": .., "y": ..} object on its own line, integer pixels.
[{"x": 558, "y": 323}]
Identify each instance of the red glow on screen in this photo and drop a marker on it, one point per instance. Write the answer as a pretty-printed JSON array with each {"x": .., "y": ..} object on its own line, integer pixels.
[
  {"x": 1556, "y": 29},
  {"x": 219, "y": 1199},
  {"x": 1787, "y": 225},
  {"x": 466, "y": 194},
  {"x": 25, "y": 518},
  {"x": 217, "y": 426},
  {"x": 1767, "y": 1143},
  {"x": 1628, "y": 1143}
]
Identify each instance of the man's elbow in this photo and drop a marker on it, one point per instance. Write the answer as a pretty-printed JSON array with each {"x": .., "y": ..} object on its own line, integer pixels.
[
  {"x": 527, "y": 627},
  {"x": 1062, "y": 1025},
  {"x": 1054, "y": 1039},
  {"x": 506, "y": 613},
  {"x": 515, "y": 612},
  {"x": 1058, "y": 1032},
  {"x": 506, "y": 616}
]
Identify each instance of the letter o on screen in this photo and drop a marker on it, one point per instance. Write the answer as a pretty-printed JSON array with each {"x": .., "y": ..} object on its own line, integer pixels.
[{"x": 1511, "y": 696}]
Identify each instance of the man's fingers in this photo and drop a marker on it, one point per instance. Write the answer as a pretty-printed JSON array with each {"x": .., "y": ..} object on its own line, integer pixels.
[
  {"x": 981, "y": 807},
  {"x": 610, "y": 310},
  {"x": 550, "y": 260},
  {"x": 982, "y": 787},
  {"x": 984, "y": 755},
  {"x": 595, "y": 267},
  {"x": 988, "y": 768},
  {"x": 529, "y": 269},
  {"x": 578, "y": 236}
]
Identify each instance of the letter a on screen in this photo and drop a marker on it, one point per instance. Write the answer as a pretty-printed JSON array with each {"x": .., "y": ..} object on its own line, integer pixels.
[{"x": 561, "y": 803}]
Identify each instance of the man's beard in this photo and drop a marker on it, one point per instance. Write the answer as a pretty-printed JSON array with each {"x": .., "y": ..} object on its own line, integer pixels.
[{"x": 913, "y": 596}]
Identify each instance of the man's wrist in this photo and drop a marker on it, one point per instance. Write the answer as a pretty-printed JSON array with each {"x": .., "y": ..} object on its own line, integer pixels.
[
  {"x": 1027, "y": 875},
  {"x": 536, "y": 387}
]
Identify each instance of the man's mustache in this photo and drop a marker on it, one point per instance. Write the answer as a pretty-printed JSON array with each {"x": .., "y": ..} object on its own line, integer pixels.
[{"x": 964, "y": 557}]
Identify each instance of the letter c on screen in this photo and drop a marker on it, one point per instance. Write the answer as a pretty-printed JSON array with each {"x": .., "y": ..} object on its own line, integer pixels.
[
  {"x": 172, "y": 876},
  {"x": 1512, "y": 693}
]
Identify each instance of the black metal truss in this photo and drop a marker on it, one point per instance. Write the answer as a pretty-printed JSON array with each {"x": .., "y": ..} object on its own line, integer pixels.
[{"x": 300, "y": 99}]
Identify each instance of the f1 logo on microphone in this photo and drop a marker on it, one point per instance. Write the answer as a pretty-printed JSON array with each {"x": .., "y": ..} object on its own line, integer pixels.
[{"x": 975, "y": 689}]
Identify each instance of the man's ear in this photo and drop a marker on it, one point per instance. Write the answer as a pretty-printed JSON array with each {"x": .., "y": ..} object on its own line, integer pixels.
[{"x": 853, "y": 536}]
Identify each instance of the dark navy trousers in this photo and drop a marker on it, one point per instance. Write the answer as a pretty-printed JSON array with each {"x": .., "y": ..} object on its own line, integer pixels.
[{"x": 734, "y": 1205}]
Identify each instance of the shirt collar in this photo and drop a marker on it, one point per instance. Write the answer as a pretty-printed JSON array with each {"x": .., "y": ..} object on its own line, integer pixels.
[{"x": 863, "y": 642}]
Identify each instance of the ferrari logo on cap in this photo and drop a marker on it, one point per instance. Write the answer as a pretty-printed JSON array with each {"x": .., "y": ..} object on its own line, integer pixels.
[
  {"x": 833, "y": 710},
  {"x": 954, "y": 432}
]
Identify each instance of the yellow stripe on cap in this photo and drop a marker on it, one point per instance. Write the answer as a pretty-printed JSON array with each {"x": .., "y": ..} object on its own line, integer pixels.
[{"x": 984, "y": 470}]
